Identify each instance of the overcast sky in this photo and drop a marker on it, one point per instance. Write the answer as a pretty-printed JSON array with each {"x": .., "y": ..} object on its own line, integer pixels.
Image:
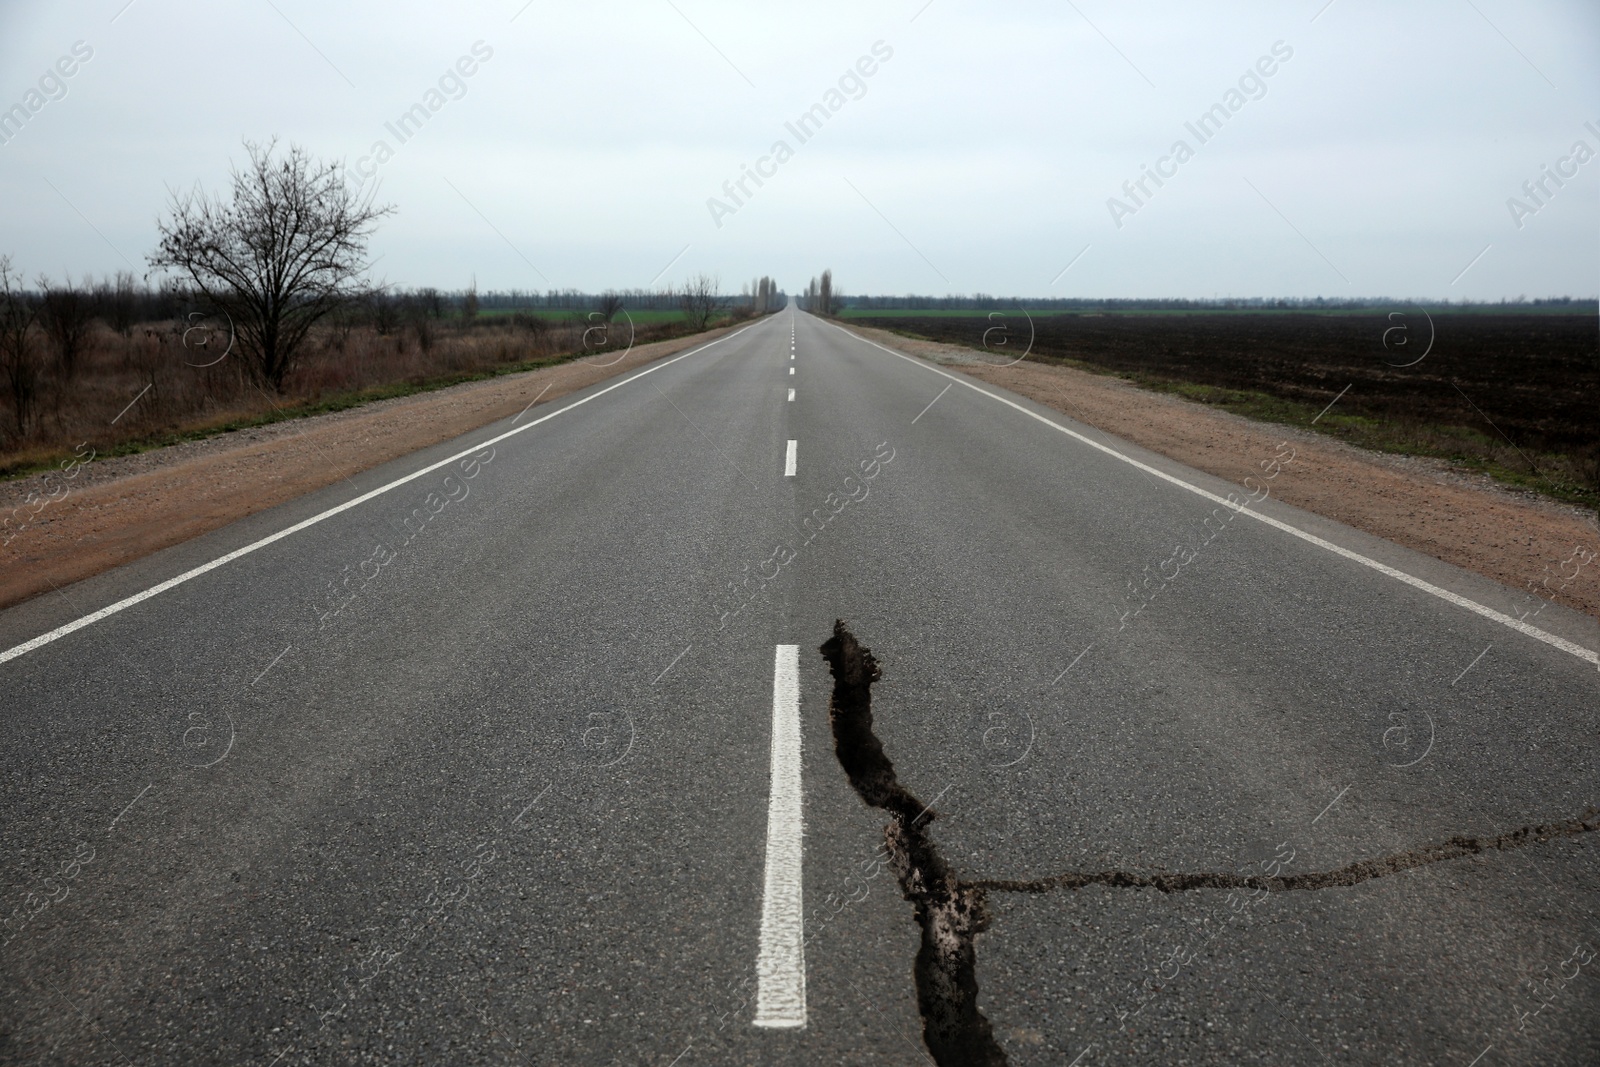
[{"x": 1378, "y": 158}]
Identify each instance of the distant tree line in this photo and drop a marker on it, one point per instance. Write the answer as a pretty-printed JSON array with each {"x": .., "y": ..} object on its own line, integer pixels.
[
  {"x": 123, "y": 300},
  {"x": 62, "y": 311},
  {"x": 764, "y": 296},
  {"x": 572, "y": 299},
  {"x": 819, "y": 297}
]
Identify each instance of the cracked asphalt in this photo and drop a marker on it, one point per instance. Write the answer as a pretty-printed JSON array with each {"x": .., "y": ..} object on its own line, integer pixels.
[{"x": 493, "y": 789}]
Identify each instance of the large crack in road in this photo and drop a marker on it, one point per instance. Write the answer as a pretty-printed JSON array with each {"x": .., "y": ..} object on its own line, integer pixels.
[
  {"x": 952, "y": 912},
  {"x": 951, "y": 915}
]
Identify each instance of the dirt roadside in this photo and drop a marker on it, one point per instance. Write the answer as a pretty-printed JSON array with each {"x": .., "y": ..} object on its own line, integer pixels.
[
  {"x": 1516, "y": 538},
  {"x": 114, "y": 511}
]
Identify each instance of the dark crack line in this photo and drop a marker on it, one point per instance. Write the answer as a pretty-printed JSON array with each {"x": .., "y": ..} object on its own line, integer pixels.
[
  {"x": 952, "y": 912},
  {"x": 1354, "y": 874}
]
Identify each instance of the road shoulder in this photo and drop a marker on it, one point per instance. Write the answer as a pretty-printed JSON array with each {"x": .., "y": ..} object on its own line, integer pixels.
[{"x": 1517, "y": 539}]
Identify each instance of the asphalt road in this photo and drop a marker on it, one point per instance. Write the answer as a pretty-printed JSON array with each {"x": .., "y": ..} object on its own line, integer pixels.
[{"x": 498, "y": 787}]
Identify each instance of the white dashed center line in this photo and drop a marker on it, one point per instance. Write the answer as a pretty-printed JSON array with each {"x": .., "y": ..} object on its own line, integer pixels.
[
  {"x": 781, "y": 961},
  {"x": 789, "y": 459},
  {"x": 791, "y": 394}
]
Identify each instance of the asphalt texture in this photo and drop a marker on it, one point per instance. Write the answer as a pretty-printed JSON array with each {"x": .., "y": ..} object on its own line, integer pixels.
[{"x": 508, "y": 802}]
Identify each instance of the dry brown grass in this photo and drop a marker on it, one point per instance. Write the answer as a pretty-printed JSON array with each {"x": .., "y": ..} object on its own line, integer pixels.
[{"x": 149, "y": 388}]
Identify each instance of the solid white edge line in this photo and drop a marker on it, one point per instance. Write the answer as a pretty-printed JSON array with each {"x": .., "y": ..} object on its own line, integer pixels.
[
  {"x": 128, "y": 602},
  {"x": 781, "y": 962},
  {"x": 1585, "y": 654},
  {"x": 789, "y": 459}
]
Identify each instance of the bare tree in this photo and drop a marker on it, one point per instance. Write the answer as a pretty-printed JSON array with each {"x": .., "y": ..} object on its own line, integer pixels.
[
  {"x": 385, "y": 310},
  {"x": 116, "y": 302},
  {"x": 537, "y": 325},
  {"x": 825, "y": 294},
  {"x": 469, "y": 302},
  {"x": 343, "y": 322},
  {"x": 422, "y": 323},
  {"x": 432, "y": 301},
  {"x": 608, "y": 305},
  {"x": 699, "y": 300},
  {"x": 287, "y": 251},
  {"x": 18, "y": 362},
  {"x": 66, "y": 313}
]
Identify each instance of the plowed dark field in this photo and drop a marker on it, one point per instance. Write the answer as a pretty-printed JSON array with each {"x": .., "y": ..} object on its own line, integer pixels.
[{"x": 1516, "y": 393}]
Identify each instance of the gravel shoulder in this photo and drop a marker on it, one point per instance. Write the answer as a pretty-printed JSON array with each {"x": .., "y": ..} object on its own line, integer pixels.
[
  {"x": 114, "y": 511},
  {"x": 1516, "y": 538}
]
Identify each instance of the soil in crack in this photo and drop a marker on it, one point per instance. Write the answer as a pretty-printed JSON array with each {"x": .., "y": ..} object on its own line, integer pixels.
[{"x": 950, "y": 914}]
